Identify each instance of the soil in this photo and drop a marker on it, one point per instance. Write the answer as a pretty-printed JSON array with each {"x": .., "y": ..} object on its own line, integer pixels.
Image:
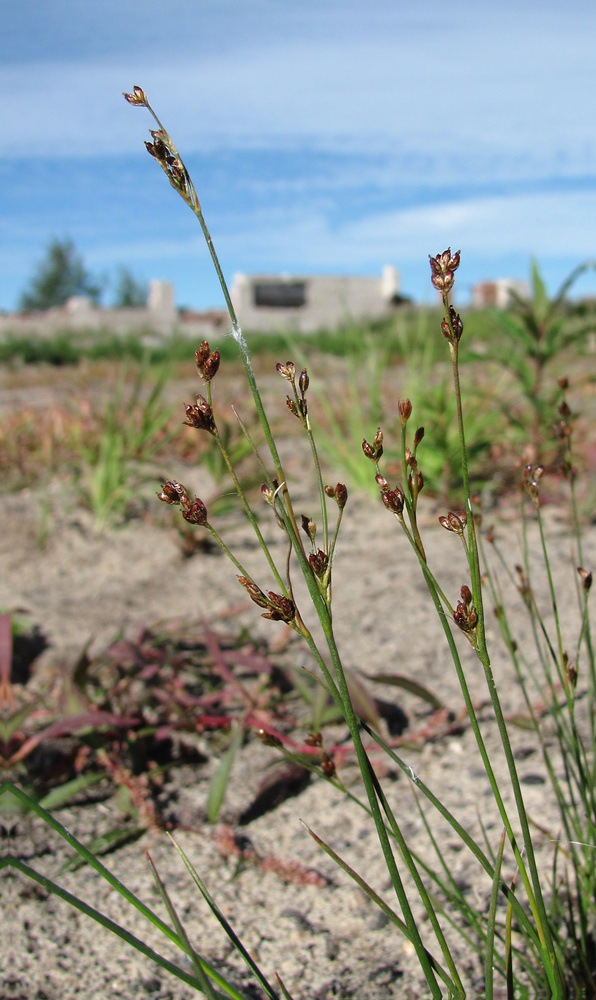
[{"x": 296, "y": 911}]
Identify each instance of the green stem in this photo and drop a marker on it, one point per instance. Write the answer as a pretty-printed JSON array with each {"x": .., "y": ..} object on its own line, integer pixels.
[{"x": 536, "y": 900}]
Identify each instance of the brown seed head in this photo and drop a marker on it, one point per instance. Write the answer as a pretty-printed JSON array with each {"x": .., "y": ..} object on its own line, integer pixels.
[
  {"x": 269, "y": 739},
  {"x": 374, "y": 451},
  {"x": 255, "y": 593},
  {"x": 404, "y": 408},
  {"x": 443, "y": 268},
  {"x": 318, "y": 561},
  {"x": 458, "y": 521},
  {"x": 172, "y": 492},
  {"x": 287, "y": 371},
  {"x": 281, "y": 609},
  {"x": 137, "y": 98},
  {"x": 416, "y": 481},
  {"x": 212, "y": 366},
  {"x": 327, "y": 765},
  {"x": 309, "y": 527},
  {"x": 563, "y": 383},
  {"x": 465, "y": 617},
  {"x": 586, "y": 577},
  {"x": 452, "y": 328},
  {"x": 303, "y": 381},
  {"x": 394, "y": 500},
  {"x": 207, "y": 362},
  {"x": 339, "y": 493},
  {"x": 532, "y": 477},
  {"x": 418, "y": 436},
  {"x": 466, "y": 594},
  {"x": 195, "y": 513},
  {"x": 201, "y": 354},
  {"x": 200, "y": 415},
  {"x": 159, "y": 151},
  {"x": 314, "y": 740}
]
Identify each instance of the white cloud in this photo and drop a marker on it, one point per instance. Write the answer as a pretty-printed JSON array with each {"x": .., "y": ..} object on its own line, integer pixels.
[
  {"x": 495, "y": 86},
  {"x": 545, "y": 225}
]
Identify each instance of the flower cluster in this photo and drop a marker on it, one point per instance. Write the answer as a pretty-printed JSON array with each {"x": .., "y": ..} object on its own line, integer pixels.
[
  {"x": 443, "y": 268},
  {"x": 465, "y": 615},
  {"x": 279, "y": 608},
  {"x": 193, "y": 511},
  {"x": 207, "y": 361},
  {"x": 200, "y": 415}
]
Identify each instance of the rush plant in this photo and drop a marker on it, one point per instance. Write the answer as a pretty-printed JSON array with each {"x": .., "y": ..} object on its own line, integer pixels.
[
  {"x": 534, "y": 935},
  {"x": 535, "y": 957}
]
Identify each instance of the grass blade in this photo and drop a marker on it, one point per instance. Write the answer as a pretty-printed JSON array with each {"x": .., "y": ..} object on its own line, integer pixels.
[
  {"x": 57, "y": 890},
  {"x": 231, "y": 933},
  {"x": 492, "y": 915},
  {"x": 188, "y": 948}
]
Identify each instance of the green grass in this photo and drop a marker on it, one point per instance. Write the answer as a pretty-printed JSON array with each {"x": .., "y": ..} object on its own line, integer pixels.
[{"x": 408, "y": 325}]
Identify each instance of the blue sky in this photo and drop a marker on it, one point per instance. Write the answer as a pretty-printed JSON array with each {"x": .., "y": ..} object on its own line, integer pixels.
[{"x": 322, "y": 137}]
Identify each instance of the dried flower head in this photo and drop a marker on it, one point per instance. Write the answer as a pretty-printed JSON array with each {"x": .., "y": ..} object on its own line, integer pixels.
[
  {"x": 207, "y": 362},
  {"x": 454, "y": 522},
  {"x": 309, "y": 528},
  {"x": 281, "y": 609},
  {"x": 314, "y": 740},
  {"x": 339, "y": 493},
  {"x": 172, "y": 492},
  {"x": 163, "y": 150},
  {"x": 394, "y": 500},
  {"x": 418, "y": 436},
  {"x": 269, "y": 739},
  {"x": 137, "y": 98},
  {"x": 465, "y": 617},
  {"x": 255, "y": 593},
  {"x": 404, "y": 408},
  {"x": 327, "y": 765},
  {"x": 287, "y": 371},
  {"x": 200, "y": 415},
  {"x": 374, "y": 451},
  {"x": 318, "y": 562},
  {"x": 195, "y": 512},
  {"x": 443, "y": 268},
  {"x": 415, "y": 482},
  {"x": 292, "y": 407},
  {"x": 453, "y": 327},
  {"x": 585, "y": 577},
  {"x": 531, "y": 480}
]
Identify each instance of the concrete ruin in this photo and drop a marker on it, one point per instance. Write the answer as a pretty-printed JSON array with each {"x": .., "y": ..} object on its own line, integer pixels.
[
  {"x": 157, "y": 320},
  {"x": 498, "y": 294},
  {"x": 304, "y": 304}
]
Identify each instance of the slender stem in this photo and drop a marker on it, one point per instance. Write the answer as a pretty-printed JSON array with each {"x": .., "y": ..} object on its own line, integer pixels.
[
  {"x": 536, "y": 899},
  {"x": 249, "y": 511},
  {"x": 320, "y": 484}
]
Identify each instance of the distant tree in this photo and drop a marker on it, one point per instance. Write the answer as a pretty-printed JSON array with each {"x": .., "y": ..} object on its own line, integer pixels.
[
  {"x": 129, "y": 293},
  {"x": 60, "y": 275}
]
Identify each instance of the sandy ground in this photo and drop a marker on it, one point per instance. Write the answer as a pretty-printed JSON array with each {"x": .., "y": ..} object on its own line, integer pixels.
[{"x": 321, "y": 932}]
